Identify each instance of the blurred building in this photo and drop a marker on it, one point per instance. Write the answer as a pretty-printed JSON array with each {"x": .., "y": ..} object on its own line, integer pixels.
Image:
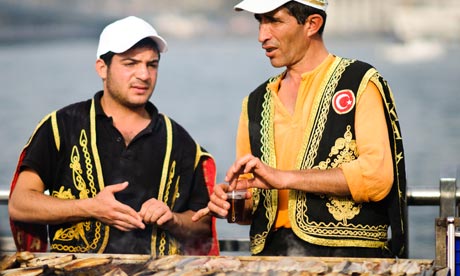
[{"x": 403, "y": 19}]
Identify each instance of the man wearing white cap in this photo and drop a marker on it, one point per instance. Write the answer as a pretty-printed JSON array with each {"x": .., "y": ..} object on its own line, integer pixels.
[
  {"x": 321, "y": 145},
  {"x": 122, "y": 177}
]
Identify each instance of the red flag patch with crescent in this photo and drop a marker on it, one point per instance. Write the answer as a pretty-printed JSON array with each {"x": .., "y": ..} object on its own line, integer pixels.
[{"x": 343, "y": 101}]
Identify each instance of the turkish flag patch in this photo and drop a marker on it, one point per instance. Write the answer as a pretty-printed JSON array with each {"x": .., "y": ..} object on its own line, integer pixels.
[{"x": 343, "y": 101}]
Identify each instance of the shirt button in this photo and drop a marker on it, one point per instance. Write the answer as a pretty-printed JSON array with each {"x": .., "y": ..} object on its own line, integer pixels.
[{"x": 119, "y": 139}]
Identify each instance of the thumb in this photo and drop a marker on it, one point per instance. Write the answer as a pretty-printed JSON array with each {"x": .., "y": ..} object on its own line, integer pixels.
[
  {"x": 115, "y": 188},
  {"x": 200, "y": 213}
]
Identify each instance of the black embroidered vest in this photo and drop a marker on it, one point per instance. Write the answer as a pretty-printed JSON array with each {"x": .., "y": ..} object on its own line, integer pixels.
[
  {"x": 321, "y": 219},
  {"x": 82, "y": 173}
]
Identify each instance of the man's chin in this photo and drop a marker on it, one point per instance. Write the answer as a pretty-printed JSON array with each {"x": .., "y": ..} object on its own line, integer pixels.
[
  {"x": 138, "y": 101},
  {"x": 136, "y": 104},
  {"x": 276, "y": 64}
]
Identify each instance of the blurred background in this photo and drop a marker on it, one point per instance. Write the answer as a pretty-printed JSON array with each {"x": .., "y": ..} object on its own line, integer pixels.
[{"x": 48, "y": 49}]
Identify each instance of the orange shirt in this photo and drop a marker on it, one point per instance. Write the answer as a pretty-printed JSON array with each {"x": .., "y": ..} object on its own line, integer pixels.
[{"x": 369, "y": 177}]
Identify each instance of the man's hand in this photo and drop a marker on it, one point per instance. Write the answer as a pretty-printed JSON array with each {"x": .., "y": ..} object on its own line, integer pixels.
[
  {"x": 264, "y": 176},
  {"x": 156, "y": 212},
  {"x": 110, "y": 211},
  {"x": 218, "y": 205}
]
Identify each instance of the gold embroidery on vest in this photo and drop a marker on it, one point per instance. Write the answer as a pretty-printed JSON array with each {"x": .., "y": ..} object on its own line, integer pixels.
[
  {"x": 317, "y": 124},
  {"x": 176, "y": 194},
  {"x": 268, "y": 157},
  {"x": 36, "y": 244},
  {"x": 77, "y": 231},
  {"x": 396, "y": 132},
  {"x": 267, "y": 133},
  {"x": 344, "y": 150},
  {"x": 101, "y": 231},
  {"x": 162, "y": 246},
  {"x": 174, "y": 248},
  {"x": 167, "y": 175},
  {"x": 64, "y": 194},
  {"x": 156, "y": 233},
  {"x": 54, "y": 124},
  {"x": 77, "y": 172},
  {"x": 168, "y": 184},
  {"x": 88, "y": 162},
  {"x": 343, "y": 209},
  {"x": 321, "y": 232},
  {"x": 399, "y": 157}
]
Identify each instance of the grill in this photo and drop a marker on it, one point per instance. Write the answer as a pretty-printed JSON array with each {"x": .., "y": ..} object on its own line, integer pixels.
[{"x": 26, "y": 263}]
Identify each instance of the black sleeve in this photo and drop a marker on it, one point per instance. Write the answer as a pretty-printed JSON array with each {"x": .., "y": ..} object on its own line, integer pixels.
[{"x": 41, "y": 154}]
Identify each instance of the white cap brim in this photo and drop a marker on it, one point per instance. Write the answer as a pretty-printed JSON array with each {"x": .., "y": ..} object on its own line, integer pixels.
[
  {"x": 264, "y": 6},
  {"x": 259, "y": 7},
  {"x": 123, "y": 34}
]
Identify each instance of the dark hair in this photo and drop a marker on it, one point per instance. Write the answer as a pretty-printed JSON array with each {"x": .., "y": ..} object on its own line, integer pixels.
[
  {"x": 146, "y": 42},
  {"x": 301, "y": 12}
]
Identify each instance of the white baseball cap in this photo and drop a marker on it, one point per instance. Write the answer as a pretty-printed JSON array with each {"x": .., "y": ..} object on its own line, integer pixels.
[
  {"x": 122, "y": 34},
  {"x": 264, "y": 6}
]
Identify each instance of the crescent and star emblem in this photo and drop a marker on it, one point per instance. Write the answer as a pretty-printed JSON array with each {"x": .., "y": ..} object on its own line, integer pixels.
[{"x": 343, "y": 101}]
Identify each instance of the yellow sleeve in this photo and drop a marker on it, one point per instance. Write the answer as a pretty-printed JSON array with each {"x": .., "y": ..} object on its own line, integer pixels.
[
  {"x": 370, "y": 176},
  {"x": 243, "y": 146}
]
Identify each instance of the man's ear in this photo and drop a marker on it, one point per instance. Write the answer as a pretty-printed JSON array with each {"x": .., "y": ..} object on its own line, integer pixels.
[
  {"x": 314, "y": 23},
  {"x": 101, "y": 68}
]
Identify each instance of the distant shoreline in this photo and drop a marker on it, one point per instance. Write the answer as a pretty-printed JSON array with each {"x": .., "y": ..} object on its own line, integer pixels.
[{"x": 19, "y": 34}]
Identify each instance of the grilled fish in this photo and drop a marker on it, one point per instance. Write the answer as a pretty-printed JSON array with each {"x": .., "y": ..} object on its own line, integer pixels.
[
  {"x": 50, "y": 261},
  {"x": 23, "y": 271},
  {"x": 96, "y": 265}
]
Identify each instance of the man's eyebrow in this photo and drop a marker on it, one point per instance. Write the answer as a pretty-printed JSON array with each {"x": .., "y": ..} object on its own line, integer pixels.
[
  {"x": 129, "y": 59},
  {"x": 137, "y": 60},
  {"x": 268, "y": 16}
]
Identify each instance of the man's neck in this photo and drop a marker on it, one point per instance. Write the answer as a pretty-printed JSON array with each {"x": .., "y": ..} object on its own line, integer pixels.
[
  {"x": 310, "y": 62},
  {"x": 120, "y": 112},
  {"x": 128, "y": 121}
]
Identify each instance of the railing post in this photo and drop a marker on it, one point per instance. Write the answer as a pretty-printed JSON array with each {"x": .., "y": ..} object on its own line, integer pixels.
[
  {"x": 448, "y": 222},
  {"x": 448, "y": 201}
]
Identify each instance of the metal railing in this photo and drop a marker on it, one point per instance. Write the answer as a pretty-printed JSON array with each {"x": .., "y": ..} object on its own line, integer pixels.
[
  {"x": 415, "y": 196},
  {"x": 446, "y": 196},
  {"x": 4, "y": 197}
]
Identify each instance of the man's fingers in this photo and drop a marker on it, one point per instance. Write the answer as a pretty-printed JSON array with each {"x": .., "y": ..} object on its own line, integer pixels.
[
  {"x": 218, "y": 211},
  {"x": 127, "y": 224},
  {"x": 153, "y": 216},
  {"x": 164, "y": 218},
  {"x": 131, "y": 220},
  {"x": 200, "y": 213},
  {"x": 125, "y": 227}
]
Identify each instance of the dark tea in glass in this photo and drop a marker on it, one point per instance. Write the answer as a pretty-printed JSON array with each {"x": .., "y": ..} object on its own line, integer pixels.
[{"x": 236, "y": 199}]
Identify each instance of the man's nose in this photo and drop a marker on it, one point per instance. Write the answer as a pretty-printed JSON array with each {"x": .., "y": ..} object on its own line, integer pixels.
[
  {"x": 142, "y": 72},
  {"x": 264, "y": 33}
]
